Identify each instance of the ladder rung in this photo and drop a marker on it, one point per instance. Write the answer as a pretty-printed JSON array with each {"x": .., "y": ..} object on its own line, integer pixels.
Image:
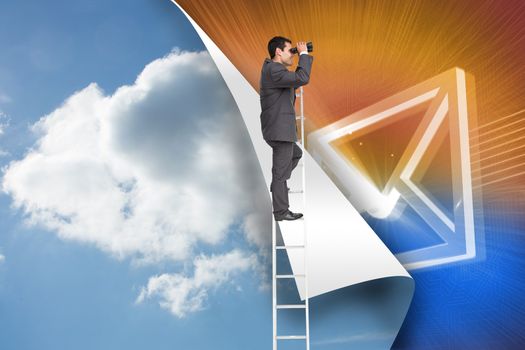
[
  {"x": 291, "y": 306},
  {"x": 295, "y": 191},
  {"x": 298, "y": 117},
  {"x": 290, "y": 337},
  {"x": 290, "y": 276},
  {"x": 288, "y": 246}
]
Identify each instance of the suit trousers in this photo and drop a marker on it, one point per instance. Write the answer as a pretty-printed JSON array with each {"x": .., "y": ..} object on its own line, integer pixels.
[{"x": 285, "y": 157}]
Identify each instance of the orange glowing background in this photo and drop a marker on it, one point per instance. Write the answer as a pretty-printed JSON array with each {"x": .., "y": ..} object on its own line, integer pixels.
[{"x": 366, "y": 51}]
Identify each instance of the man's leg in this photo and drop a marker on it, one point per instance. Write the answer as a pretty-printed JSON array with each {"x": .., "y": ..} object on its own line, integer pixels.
[
  {"x": 282, "y": 161},
  {"x": 297, "y": 154}
]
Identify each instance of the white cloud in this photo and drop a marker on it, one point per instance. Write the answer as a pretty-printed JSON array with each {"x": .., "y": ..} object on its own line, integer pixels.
[
  {"x": 2, "y": 258},
  {"x": 148, "y": 173},
  {"x": 180, "y": 294}
]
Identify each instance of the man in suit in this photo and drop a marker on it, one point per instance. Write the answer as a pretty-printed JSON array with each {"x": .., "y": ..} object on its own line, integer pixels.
[{"x": 277, "y": 92}]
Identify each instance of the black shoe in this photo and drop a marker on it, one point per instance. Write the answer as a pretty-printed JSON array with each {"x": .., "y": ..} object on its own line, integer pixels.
[{"x": 288, "y": 216}]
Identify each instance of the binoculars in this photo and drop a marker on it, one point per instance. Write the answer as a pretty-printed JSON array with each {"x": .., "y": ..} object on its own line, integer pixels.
[{"x": 309, "y": 47}]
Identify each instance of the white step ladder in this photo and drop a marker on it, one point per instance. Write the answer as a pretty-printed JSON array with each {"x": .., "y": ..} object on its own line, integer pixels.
[{"x": 275, "y": 247}]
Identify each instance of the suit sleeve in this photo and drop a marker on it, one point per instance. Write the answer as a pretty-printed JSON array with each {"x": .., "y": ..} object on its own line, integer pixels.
[{"x": 282, "y": 77}]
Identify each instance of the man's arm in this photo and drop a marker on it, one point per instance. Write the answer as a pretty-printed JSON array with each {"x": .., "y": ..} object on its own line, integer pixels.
[{"x": 282, "y": 77}]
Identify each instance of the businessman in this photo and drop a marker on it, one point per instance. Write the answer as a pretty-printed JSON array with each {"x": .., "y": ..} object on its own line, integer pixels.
[{"x": 277, "y": 92}]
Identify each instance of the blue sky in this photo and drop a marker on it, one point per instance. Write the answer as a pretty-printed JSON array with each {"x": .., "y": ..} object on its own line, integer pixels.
[{"x": 57, "y": 293}]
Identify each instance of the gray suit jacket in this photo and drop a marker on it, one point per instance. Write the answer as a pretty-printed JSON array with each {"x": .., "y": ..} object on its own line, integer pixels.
[{"x": 277, "y": 93}]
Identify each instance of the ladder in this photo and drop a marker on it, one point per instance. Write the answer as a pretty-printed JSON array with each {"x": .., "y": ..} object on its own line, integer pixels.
[{"x": 275, "y": 247}]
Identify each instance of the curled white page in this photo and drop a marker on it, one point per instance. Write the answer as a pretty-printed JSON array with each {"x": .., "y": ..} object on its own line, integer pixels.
[{"x": 342, "y": 248}]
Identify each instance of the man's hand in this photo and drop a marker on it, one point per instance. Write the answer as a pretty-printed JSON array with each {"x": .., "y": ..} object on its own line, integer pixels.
[{"x": 301, "y": 46}]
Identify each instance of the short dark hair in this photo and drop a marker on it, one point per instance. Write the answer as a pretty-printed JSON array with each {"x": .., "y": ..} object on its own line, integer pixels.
[{"x": 277, "y": 42}]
